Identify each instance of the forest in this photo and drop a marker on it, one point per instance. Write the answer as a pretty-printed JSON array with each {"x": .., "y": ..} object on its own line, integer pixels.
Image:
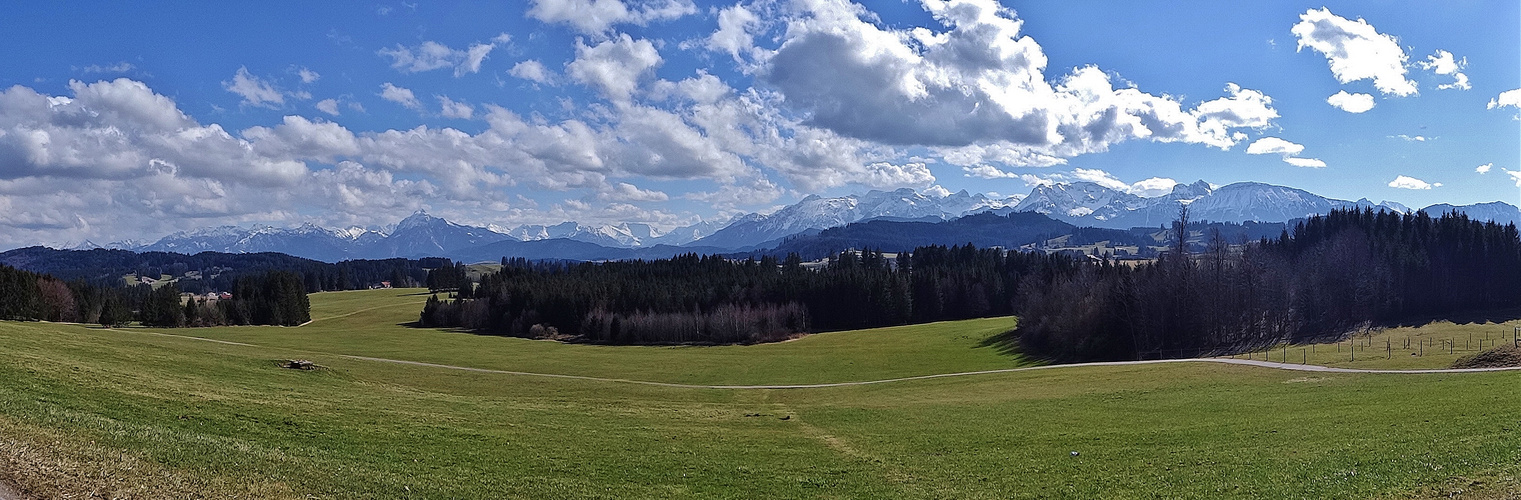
[
  {"x": 269, "y": 298},
  {"x": 711, "y": 299},
  {"x": 1339, "y": 273},
  {"x": 218, "y": 271}
]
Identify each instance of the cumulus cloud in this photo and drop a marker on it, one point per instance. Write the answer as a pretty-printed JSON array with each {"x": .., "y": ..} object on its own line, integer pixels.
[
  {"x": 1484, "y": 169},
  {"x": 431, "y": 55},
  {"x": 614, "y": 67},
  {"x": 987, "y": 172},
  {"x": 596, "y": 17},
  {"x": 1274, "y": 145},
  {"x": 399, "y": 95},
  {"x": 1510, "y": 98},
  {"x": 1153, "y": 187},
  {"x": 450, "y": 108},
  {"x": 142, "y": 161},
  {"x": 253, "y": 90},
  {"x": 628, "y": 193},
  {"x": 1148, "y": 188},
  {"x": 1411, "y": 138},
  {"x": 1288, "y": 150},
  {"x": 1355, "y": 50},
  {"x": 1443, "y": 63},
  {"x": 1351, "y": 103},
  {"x": 532, "y": 70},
  {"x": 735, "y": 35},
  {"x": 329, "y": 106},
  {"x": 1407, "y": 182},
  {"x": 977, "y": 82}
]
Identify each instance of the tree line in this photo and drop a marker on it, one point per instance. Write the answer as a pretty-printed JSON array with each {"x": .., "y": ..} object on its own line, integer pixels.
[
  {"x": 1336, "y": 273},
  {"x": 270, "y": 298},
  {"x": 218, "y": 271},
  {"x": 692, "y": 298}
]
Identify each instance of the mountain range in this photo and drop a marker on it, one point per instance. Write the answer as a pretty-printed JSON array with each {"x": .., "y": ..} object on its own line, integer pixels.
[{"x": 1077, "y": 204}]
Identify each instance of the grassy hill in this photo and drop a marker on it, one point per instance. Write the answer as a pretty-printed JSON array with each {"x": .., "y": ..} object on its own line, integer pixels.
[{"x": 150, "y": 414}]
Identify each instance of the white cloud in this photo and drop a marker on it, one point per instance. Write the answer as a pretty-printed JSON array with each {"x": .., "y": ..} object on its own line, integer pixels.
[
  {"x": 532, "y": 70},
  {"x": 299, "y": 138},
  {"x": 1101, "y": 178},
  {"x": 399, "y": 95},
  {"x": 307, "y": 75},
  {"x": 628, "y": 193},
  {"x": 734, "y": 35},
  {"x": 1510, "y": 98},
  {"x": 1355, "y": 50},
  {"x": 1484, "y": 169},
  {"x": 596, "y": 17},
  {"x": 987, "y": 172},
  {"x": 1515, "y": 175},
  {"x": 254, "y": 91},
  {"x": 614, "y": 67},
  {"x": 1351, "y": 103},
  {"x": 1288, "y": 150},
  {"x": 978, "y": 82},
  {"x": 1407, "y": 182},
  {"x": 453, "y": 109},
  {"x": 1443, "y": 63},
  {"x": 431, "y": 55},
  {"x": 1153, "y": 187},
  {"x": 121, "y": 67},
  {"x": 1411, "y": 138},
  {"x": 329, "y": 106},
  {"x": 1274, "y": 145},
  {"x": 1147, "y": 188}
]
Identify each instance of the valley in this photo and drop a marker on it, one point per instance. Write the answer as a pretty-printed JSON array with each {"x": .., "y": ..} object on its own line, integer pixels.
[{"x": 137, "y": 413}]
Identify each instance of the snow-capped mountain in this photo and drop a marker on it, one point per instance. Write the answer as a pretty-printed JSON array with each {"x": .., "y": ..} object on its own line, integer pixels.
[
  {"x": 1079, "y": 203},
  {"x": 423, "y": 235},
  {"x": 627, "y": 234},
  {"x": 307, "y": 240},
  {"x": 1089, "y": 204},
  {"x": 815, "y": 212},
  {"x": 1500, "y": 212}
]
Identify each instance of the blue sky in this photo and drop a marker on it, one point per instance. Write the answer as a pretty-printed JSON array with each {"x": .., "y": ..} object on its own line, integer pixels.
[{"x": 131, "y": 121}]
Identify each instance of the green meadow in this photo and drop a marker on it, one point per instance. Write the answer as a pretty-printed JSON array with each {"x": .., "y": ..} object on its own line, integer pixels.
[{"x": 138, "y": 413}]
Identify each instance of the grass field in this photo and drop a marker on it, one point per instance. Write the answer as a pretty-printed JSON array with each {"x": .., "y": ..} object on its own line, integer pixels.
[
  {"x": 1433, "y": 345},
  {"x": 131, "y": 413}
]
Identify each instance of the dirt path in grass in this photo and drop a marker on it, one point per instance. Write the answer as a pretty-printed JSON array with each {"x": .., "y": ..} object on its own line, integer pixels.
[
  {"x": 1264, "y": 364},
  {"x": 1229, "y": 361}
]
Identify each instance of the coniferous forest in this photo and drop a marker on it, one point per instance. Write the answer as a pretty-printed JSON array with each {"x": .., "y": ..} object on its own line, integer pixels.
[
  {"x": 270, "y": 298},
  {"x": 694, "y": 298},
  {"x": 1337, "y": 273}
]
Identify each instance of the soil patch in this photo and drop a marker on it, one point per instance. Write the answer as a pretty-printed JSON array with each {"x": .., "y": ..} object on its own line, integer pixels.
[{"x": 1503, "y": 356}]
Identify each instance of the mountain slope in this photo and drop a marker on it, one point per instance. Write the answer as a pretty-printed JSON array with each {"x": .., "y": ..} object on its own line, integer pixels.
[
  {"x": 815, "y": 212},
  {"x": 983, "y": 230}
]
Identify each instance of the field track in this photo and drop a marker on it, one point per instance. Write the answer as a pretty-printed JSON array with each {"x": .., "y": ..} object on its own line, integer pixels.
[{"x": 1232, "y": 361}]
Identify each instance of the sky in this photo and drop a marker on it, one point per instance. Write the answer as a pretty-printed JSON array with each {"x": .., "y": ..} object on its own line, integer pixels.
[{"x": 131, "y": 121}]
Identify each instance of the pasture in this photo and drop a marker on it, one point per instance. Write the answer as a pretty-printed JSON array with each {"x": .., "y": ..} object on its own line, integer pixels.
[{"x": 153, "y": 413}]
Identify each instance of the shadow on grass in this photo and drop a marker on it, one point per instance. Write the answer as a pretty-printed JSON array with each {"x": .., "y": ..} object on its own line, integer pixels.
[{"x": 1006, "y": 343}]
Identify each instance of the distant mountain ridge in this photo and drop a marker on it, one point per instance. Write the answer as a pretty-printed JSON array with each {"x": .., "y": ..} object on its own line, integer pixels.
[
  {"x": 817, "y": 213},
  {"x": 1092, "y": 205},
  {"x": 1080, "y": 204}
]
